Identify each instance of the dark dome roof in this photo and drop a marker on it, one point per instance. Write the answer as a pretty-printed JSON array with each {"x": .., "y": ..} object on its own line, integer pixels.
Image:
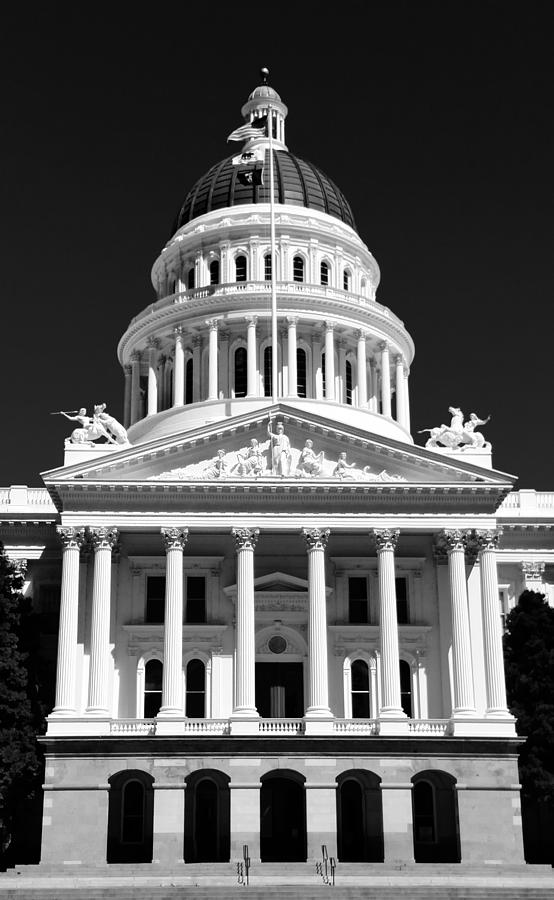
[{"x": 296, "y": 182}]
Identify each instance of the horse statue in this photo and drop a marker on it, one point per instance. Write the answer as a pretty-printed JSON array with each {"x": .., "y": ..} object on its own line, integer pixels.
[{"x": 458, "y": 434}]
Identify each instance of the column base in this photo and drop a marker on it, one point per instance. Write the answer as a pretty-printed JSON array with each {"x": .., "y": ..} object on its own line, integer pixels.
[{"x": 318, "y": 725}]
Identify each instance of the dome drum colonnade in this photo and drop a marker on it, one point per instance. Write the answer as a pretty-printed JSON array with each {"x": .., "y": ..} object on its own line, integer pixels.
[{"x": 452, "y": 543}]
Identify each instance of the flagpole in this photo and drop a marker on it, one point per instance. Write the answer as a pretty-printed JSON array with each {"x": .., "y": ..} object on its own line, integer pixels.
[{"x": 274, "y": 388}]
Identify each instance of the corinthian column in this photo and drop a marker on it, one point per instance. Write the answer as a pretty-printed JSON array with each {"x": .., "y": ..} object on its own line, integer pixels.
[
  {"x": 318, "y": 704},
  {"x": 251, "y": 356},
  {"x": 386, "y": 540},
  {"x": 103, "y": 541},
  {"x": 495, "y": 682},
  {"x": 178, "y": 368},
  {"x": 400, "y": 392},
  {"x": 72, "y": 541},
  {"x": 293, "y": 377},
  {"x": 212, "y": 359},
  {"x": 172, "y": 685},
  {"x": 455, "y": 541},
  {"x": 386, "y": 408},
  {"x": 127, "y": 397},
  {"x": 362, "y": 369},
  {"x": 245, "y": 692},
  {"x": 329, "y": 361},
  {"x": 152, "y": 405},
  {"x": 135, "y": 387}
]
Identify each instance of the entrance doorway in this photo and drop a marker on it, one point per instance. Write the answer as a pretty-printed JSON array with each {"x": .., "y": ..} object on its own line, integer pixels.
[
  {"x": 279, "y": 690},
  {"x": 282, "y": 818},
  {"x": 359, "y": 817}
]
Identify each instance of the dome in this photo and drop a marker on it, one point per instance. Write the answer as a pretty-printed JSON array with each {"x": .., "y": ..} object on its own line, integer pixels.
[
  {"x": 265, "y": 91},
  {"x": 296, "y": 182}
]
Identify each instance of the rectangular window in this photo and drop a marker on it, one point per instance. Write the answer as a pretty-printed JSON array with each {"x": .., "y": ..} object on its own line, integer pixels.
[
  {"x": 402, "y": 612},
  {"x": 358, "y": 601},
  {"x": 155, "y": 598},
  {"x": 267, "y": 267},
  {"x": 49, "y": 606},
  {"x": 195, "y": 605}
]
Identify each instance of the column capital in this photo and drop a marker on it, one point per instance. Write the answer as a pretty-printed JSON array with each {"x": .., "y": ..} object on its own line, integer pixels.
[
  {"x": 212, "y": 324},
  {"x": 385, "y": 538},
  {"x": 533, "y": 571},
  {"x": 71, "y": 538},
  {"x": 196, "y": 341},
  {"x": 485, "y": 538},
  {"x": 174, "y": 538},
  {"x": 292, "y": 320},
  {"x": 360, "y": 334},
  {"x": 153, "y": 343},
  {"x": 251, "y": 321},
  {"x": 452, "y": 539},
  {"x": 127, "y": 370},
  {"x": 102, "y": 537},
  {"x": 383, "y": 346},
  {"x": 136, "y": 356},
  {"x": 329, "y": 326},
  {"x": 316, "y": 538},
  {"x": 245, "y": 538},
  {"x": 178, "y": 331},
  {"x": 399, "y": 360}
]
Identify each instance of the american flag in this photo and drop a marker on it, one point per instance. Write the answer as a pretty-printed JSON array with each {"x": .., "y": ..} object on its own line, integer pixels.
[{"x": 253, "y": 129}]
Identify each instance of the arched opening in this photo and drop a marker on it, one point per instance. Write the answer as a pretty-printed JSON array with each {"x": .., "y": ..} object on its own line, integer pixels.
[
  {"x": 359, "y": 817},
  {"x": 346, "y": 279},
  {"x": 130, "y": 817},
  {"x": 153, "y": 676},
  {"x": 189, "y": 372},
  {"x": 267, "y": 267},
  {"x": 406, "y": 687},
  {"x": 195, "y": 700},
  {"x": 298, "y": 269},
  {"x": 435, "y": 818},
  {"x": 324, "y": 273},
  {"x": 360, "y": 689},
  {"x": 214, "y": 271},
  {"x": 190, "y": 278},
  {"x": 282, "y": 817},
  {"x": 301, "y": 373},
  {"x": 349, "y": 382},
  {"x": 207, "y": 817},
  {"x": 241, "y": 376},
  {"x": 268, "y": 373},
  {"x": 240, "y": 268}
]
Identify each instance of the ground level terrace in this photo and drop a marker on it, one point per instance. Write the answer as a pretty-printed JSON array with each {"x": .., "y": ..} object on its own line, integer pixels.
[{"x": 400, "y": 800}]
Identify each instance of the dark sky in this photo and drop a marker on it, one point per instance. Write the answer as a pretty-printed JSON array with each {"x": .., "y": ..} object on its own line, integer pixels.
[{"x": 435, "y": 119}]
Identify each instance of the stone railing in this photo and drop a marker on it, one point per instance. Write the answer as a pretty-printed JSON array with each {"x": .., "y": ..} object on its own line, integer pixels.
[
  {"x": 527, "y": 503},
  {"x": 133, "y": 726},
  {"x": 281, "y": 726},
  {"x": 25, "y": 499},
  {"x": 429, "y": 726},
  {"x": 356, "y": 726},
  {"x": 206, "y": 726}
]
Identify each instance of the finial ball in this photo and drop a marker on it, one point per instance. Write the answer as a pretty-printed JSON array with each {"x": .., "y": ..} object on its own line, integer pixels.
[{"x": 265, "y": 74}]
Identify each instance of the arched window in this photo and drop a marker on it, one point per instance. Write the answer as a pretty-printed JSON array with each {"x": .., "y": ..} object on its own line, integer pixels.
[
  {"x": 190, "y": 278},
  {"x": 240, "y": 268},
  {"x": 195, "y": 707},
  {"x": 241, "y": 377},
  {"x": 349, "y": 382},
  {"x": 268, "y": 372},
  {"x": 301, "y": 372},
  {"x": 207, "y": 817},
  {"x": 189, "y": 371},
  {"x": 346, "y": 279},
  {"x": 153, "y": 675},
  {"x": 360, "y": 689},
  {"x": 130, "y": 817},
  {"x": 324, "y": 273},
  {"x": 363, "y": 286},
  {"x": 435, "y": 818},
  {"x": 406, "y": 687},
  {"x": 298, "y": 269},
  {"x": 214, "y": 271},
  {"x": 359, "y": 817},
  {"x": 267, "y": 267}
]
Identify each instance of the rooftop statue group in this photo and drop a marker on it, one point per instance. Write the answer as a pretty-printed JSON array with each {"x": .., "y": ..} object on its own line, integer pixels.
[
  {"x": 458, "y": 434},
  {"x": 93, "y": 428}
]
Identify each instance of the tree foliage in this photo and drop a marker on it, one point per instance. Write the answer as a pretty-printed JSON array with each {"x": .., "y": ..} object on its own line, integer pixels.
[
  {"x": 20, "y": 712},
  {"x": 529, "y": 663}
]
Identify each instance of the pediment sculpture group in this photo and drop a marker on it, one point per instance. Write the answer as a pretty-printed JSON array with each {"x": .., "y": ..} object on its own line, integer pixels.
[
  {"x": 459, "y": 434},
  {"x": 94, "y": 428},
  {"x": 276, "y": 457}
]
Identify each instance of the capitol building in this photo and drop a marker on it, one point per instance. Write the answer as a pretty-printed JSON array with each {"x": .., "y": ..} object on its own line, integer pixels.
[{"x": 273, "y": 610}]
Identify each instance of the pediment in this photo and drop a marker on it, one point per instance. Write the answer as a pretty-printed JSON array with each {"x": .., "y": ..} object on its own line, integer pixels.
[{"x": 314, "y": 450}]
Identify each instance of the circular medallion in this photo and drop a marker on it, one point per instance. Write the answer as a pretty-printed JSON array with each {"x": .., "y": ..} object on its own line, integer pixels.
[{"x": 277, "y": 644}]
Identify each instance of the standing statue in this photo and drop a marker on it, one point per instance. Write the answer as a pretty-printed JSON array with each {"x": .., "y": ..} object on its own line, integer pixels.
[
  {"x": 458, "y": 434},
  {"x": 310, "y": 462},
  {"x": 280, "y": 450}
]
